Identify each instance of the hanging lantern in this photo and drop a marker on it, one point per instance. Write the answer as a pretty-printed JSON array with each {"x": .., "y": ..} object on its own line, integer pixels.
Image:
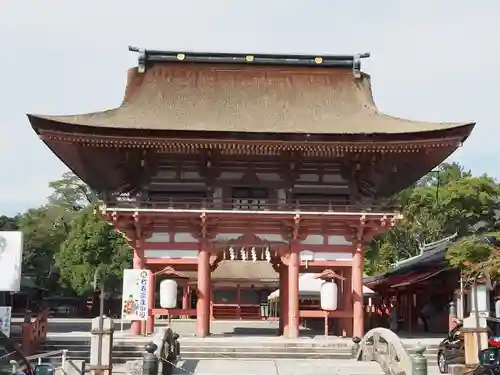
[
  {"x": 329, "y": 296},
  {"x": 168, "y": 294},
  {"x": 243, "y": 254},
  {"x": 231, "y": 253},
  {"x": 254, "y": 254}
]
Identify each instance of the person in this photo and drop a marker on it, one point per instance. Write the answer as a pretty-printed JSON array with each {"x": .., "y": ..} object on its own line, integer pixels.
[
  {"x": 393, "y": 315},
  {"x": 425, "y": 315}
]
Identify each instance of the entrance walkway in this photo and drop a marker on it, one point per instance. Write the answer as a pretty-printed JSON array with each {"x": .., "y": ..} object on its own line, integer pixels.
[
  {"x": 282, "y": 367},
  {"x": 229, "y": 331}
]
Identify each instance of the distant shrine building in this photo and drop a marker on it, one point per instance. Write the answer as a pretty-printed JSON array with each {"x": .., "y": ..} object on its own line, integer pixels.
[{"x": 278, "y": 161}]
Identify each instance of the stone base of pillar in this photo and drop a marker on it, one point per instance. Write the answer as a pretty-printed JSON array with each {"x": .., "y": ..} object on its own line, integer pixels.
[
  {"x": 135, "y": 327},
  {"x": 151, "y": 325}
]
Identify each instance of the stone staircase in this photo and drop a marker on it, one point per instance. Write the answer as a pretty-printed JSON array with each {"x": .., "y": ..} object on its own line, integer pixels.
[{"x": 221, "y": 349}]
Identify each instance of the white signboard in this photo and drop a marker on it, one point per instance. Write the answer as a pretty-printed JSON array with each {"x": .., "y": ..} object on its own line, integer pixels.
[
  {"x": 135, "y": 294},
  {"x": 5, "y": 320},
  {"x": 11, "y": 258}
]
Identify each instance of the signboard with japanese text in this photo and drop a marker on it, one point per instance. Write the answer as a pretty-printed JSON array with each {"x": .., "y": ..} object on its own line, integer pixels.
[
  {"x": 5, "y": 314},
  {"x": 135, "y": 294},
  {"x": 11, "y": 256}
]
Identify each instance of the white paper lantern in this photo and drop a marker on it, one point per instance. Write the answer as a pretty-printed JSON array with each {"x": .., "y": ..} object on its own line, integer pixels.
[
  {"x": 329, "y": 296},
  {"x": 168, "y": 294},
  {"x": 483, "y": 300}
]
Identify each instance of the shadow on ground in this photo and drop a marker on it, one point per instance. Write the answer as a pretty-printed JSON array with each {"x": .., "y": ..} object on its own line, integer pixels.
[
  {"x": 187, "y": 366},
  {"x": 258, "y": 331}
]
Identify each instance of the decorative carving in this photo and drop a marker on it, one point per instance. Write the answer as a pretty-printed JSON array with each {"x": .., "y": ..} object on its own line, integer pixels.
[
  {"x": 329, "y": 275},
  {"x": 171, "y": 273},
  {"x": 214, "y": 261}
]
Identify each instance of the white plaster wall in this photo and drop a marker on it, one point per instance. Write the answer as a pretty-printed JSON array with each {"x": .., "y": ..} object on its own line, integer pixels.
[
  {"x": 190, "y": 175},
  {"x": 268, "y": 176},
  {"x": 270, "y": 237},
  {"x": 308, "y": 177},
  {"x": 231, "y": 175},
  {"x": 329, "y": 178},
  {"x": 171, "y": 254},
  {"x": 227, "y": 236},
  {"x": 159, "y": 237},
  {"x": 166, "y": 174},
  {"x": 281, "y": 196},
  {"x": 185, "y": 237},
  {"x": 338, "y": 240},
  {"x": 309, "y": 255},
  {"x": 313, "y": 239}
]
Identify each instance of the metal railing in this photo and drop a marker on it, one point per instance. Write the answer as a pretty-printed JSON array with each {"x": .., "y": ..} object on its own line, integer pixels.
[
  {"x": 56, "y": 353},
  {"x": 250, "y": 205}
]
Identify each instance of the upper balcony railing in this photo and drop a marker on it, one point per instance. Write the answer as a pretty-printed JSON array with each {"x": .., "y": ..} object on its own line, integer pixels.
[{"x": 249, "y": 205}]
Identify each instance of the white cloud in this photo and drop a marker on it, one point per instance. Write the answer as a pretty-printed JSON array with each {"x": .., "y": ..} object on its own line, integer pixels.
[{"x": 430, "y": 61}]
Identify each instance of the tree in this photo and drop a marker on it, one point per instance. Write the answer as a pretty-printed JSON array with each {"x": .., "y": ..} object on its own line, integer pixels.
[
  {"x": 457, "y": 203},
  {"x": 9, "y": 223},
  {"x": 477, "y": 257},
  {"x": 42, "y": 239},
  {"x": 90, "y": 245},
  {"x": 71, "y": 193}
]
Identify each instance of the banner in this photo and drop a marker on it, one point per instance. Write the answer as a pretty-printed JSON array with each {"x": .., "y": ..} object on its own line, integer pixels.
[
  {"x": 5, "y": 320},
  {"x": 135, "y": 294},
  {"x": 11, "y": 256}
]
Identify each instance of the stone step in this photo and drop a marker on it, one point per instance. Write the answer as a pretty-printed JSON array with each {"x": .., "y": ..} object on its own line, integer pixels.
[
  {"x": 124, "y": 351},
  {"x": 122, "y": 357},
  {"x": 225, "y": 343}
]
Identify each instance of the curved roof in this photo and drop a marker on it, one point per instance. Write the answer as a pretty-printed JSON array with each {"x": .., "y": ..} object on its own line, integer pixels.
[{"x": 177, "y": 96}]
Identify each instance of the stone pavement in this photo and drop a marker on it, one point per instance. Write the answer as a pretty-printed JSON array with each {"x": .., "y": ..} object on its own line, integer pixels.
[
  {"x": 278, "y": 367},
  {"x": 76, "y": 328},
  {"x": 282, "y": 367}
]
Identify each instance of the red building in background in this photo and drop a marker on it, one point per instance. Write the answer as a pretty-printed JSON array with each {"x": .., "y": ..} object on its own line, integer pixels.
[{"x": 279, "y": 159}]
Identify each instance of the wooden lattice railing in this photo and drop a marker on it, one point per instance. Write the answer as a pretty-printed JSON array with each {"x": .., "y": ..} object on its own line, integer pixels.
[
  {"x": 386, "y": 348},
  {"x": 34, "y": 332}
]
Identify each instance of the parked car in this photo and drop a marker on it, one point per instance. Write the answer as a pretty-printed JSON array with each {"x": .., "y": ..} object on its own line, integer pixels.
[
  {"x": 13, "y": 361},
  {"x": 452, "y": 350}
]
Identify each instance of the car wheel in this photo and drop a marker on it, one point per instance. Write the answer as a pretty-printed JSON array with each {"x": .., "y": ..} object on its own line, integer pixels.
[{"x": 442, "y": 365}]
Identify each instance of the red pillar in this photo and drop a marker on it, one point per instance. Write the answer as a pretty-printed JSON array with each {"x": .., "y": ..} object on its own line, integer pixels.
[
  {"x": 151, "y": 302},
  {"x": 293, "y": 290},
  {"x": 138, "y": 263},
  {"x": 357, "y": 292},
  {"x": 204, "y": 291},
  {"x": 283, "y": 301},
  {"x": 347, "y": 323},
  {"x": 185, "y": 297},
  {"x": 238, "y": 301}
]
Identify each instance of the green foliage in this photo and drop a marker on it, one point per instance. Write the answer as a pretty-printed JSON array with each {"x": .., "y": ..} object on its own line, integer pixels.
[
  {"x": 71, "y": 193},
  {"x": 475, "y": 257},
  {"x": 64, "y": 242},
  {"x": 91, "y": 245},
  {"x": 435, "y": 208},
  {"x": 9, "y": 223}
]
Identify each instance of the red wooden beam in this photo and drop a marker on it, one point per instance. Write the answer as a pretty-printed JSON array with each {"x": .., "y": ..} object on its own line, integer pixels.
[{"x": 195, "y": 246}]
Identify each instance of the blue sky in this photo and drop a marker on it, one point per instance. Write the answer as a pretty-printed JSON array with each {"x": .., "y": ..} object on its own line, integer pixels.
[{"x": 431, "y": 60}]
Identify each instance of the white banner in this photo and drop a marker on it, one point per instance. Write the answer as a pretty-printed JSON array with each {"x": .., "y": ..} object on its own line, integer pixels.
[
  {"x": 135, "y": 294},
  {"x": 5, "y": 313},
  {"x": 11, "y": 258}
]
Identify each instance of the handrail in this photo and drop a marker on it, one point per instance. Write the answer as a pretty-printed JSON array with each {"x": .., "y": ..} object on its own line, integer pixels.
[
  {"x": 33, "y": 333},
  {"x": 47, "y": 354},
  {"x": 250, "y": 204},
  {"x": 385, "y": 347}
]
